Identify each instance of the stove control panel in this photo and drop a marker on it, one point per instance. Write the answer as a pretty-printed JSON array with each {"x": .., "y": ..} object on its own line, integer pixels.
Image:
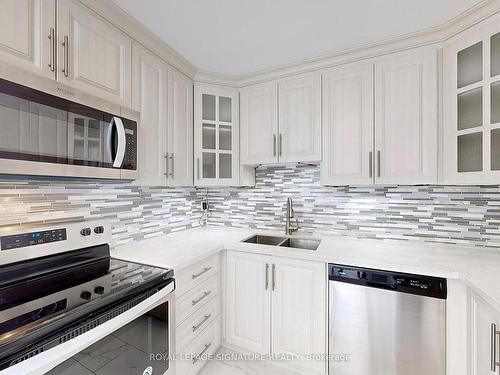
[{"x": 32, "y": 238}]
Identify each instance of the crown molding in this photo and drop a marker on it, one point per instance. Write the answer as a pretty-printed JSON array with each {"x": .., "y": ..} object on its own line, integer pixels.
[
  {"x": 115, "y": 15},
  {"x": 436, "y": 36}
]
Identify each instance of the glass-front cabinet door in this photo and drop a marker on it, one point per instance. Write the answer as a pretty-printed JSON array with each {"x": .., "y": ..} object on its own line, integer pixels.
[
  {"x": 216, "y": 136},
  {"x": 471, "y": 137}
]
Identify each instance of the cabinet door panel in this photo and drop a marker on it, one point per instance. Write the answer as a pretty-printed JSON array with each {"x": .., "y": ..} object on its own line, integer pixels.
[
  {"x": 150, "y": 98},
  {"x": 471, "y": 107},
  {"x": 348, "y": 126},
  {"x": 300, "y": 119},
  {"x": 248, "y": 302},
  {"x": 216, "y": 136},
  {"x": 97, "y": 57},
  {"x": 299, "y": 312},
  {"x": 406, "y": 119},
  {"x": 481, "y": 318},
  {"x": 259, "y": 124},
  {"x": 180, "y": 129},
  {"x": 25, "y": 27}
]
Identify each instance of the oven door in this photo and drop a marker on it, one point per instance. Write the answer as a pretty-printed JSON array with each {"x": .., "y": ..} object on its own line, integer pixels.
[{"x": 140, "y": 347}]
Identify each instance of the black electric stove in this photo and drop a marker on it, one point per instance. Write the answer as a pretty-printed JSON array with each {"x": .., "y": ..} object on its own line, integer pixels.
[{"x": 46, "y": 301}]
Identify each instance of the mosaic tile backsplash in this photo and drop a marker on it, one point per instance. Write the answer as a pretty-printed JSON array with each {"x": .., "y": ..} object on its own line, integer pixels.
[
  {"x": 452, "y": 214},
  {"x": 135, "y": 212}
]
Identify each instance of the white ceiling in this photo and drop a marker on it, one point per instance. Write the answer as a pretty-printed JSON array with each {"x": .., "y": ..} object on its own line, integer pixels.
[{"x": 238, "y": 37}]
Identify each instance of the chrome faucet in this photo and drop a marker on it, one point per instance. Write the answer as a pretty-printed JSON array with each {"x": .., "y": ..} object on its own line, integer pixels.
[{"x": 289, "y": 228}]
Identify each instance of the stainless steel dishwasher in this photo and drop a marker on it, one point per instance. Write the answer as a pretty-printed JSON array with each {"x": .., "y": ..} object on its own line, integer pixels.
[{"x": 385, "y": 323}]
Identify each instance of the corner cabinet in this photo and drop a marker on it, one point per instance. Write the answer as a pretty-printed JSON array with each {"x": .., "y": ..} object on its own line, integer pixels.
[
  {"x": 92, "y": 55},
  {"x": 471, "y": 136},
  {"x": 216, "y": 138},
  {"x": 380, "y": 122},
  {"x": 281, "y": 121},
  {"x": 277, "y": 306},
  {"x": 27, "y": 35}
]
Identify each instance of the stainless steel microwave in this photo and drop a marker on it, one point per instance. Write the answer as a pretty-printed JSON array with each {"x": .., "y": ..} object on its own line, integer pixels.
[{"x": 42, "y": 134}]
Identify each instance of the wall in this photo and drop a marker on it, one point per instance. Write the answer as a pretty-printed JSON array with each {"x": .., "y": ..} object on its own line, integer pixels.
[
  {"x": 135, "y": 212},
  {"x": 453, "y": 214}
]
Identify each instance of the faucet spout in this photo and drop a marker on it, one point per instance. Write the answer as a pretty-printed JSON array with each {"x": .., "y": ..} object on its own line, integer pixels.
[{"x": 289, "y": 227}]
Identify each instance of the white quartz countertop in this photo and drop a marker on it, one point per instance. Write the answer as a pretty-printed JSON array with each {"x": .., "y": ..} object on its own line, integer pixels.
[{"x": 477, "y": 267}]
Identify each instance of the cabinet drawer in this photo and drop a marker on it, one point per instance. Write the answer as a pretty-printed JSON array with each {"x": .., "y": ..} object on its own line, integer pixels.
[
  {"x": 196, "y": 298},
  {"x": 197, "y": 322},
  {"x": 190, "y": 277},
  {"x": 195, "y": 356}
]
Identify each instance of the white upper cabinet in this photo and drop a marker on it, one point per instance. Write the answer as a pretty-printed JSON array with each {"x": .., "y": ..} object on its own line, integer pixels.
[
  {"x": 259, "y": 124},
  {"x": 93, "y": 56},
  {"x": 180, "y": 130},
  {"x": 150, "y": 98},
  {"x": 406, "y": 119},
  {"x": 471, "y": 135},
  {"x": 281, "y": 122},
  {"x": 216, "y": 136},
  {"x": 299, "y": 138},
  {"x": 27, "y": 35},
  {"x": 348, "y": 126}
]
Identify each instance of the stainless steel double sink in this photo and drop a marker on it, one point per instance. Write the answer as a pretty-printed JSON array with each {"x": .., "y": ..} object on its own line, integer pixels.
[{"x": 290, "y": 242}]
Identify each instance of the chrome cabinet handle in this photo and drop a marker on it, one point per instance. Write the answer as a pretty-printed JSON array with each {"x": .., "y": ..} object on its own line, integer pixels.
[
  {"x": 274, "y": 144},
  {"x": 196, "y": 301},
  {"x": 166, "y": 168},
  {"x": 205, "y": 318},
  {"x": 493, "y": 347},
  {"x": 198, "y": 168},
  {"x": 281, "y": 145},
  {"x": 274, "y": 277},
  {"x": 378, "y": 163},
  {"x": 197, "y": 358},
  {"x": 172, "y": 158},
  {"x": 267, "y": 276},
  {"x": 205, "y": 270},
  {"x": 65, "y": 44},
  {"x": 52, "y": 56},
  {"x": 168, "y": 172},
  {"x": 370, "y": 162}
]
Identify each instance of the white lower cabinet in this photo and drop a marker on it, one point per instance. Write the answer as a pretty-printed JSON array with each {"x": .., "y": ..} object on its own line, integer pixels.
[
  {"x": 198, "y": 321},
  {"x": 248, "y": 301},
  {"x": 484, "y": 326},
  {"x": 277, "y": 306}
]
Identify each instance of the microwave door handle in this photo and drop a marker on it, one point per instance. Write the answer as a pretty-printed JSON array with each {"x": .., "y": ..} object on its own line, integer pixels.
[{"x": 121, "y": 141}]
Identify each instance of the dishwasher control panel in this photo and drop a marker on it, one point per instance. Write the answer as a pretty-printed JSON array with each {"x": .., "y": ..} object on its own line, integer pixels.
[{"x": 428, "y": 286}]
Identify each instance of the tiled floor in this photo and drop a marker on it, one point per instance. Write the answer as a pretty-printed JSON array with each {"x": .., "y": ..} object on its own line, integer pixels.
[{"x": 244, "y": 368}]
